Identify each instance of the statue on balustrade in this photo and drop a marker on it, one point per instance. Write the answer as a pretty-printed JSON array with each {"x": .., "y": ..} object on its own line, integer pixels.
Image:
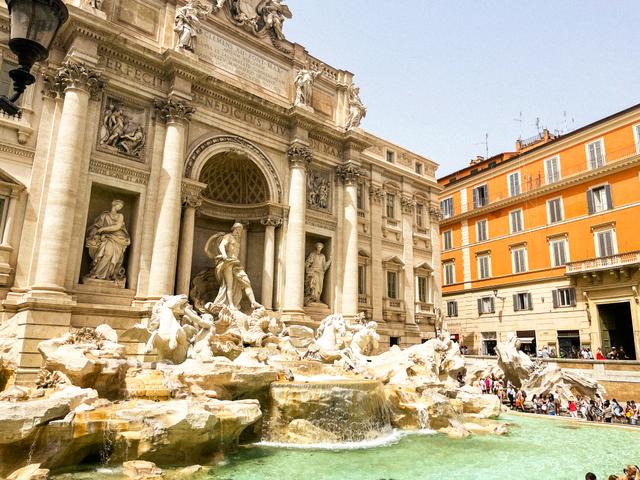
[
  {"x": 316, "y": 267},
  {"x": 357, "y": 110},
  {"x": 304, "y": 86},
  {"x": 224, "y": 249},
  {"x": 107, "y": 241}
]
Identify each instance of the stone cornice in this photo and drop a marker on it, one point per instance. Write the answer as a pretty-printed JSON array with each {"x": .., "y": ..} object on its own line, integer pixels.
[
  {"x": 119, "y": 171},
  {"x": 577, "y": 179}
]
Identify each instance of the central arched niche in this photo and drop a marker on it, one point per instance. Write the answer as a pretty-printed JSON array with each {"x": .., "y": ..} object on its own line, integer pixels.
[
  {"x": 237, "y": 189},
  {"x": 233, "y": 178}
]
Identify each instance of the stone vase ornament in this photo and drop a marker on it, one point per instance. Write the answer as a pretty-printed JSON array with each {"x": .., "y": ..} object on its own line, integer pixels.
[{"x": 107, "y": 241}]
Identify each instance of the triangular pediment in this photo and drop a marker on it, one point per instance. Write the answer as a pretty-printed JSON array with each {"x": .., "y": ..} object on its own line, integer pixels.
[{"x": 6, "y": 178}]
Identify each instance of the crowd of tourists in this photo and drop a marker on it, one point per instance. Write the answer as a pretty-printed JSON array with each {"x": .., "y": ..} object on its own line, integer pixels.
[
  {"x": 598, "y": 410},
  {"x": 585, "y": 353},
  {"x": 630, "y": 472}
]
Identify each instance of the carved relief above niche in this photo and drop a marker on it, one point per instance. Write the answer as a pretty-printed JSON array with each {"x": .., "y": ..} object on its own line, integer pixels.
[
  {"x": 319, "y": 190},
  {"x": 123, "y": 129}
]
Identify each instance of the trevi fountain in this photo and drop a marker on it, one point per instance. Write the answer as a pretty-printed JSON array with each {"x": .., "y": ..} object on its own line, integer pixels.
[
  {"x": 221, "y": 381},
  {"x": 234, "y": 392}
]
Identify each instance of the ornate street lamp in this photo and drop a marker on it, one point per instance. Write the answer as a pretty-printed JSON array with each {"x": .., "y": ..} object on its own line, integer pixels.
[{"x": 34, "y": 25}]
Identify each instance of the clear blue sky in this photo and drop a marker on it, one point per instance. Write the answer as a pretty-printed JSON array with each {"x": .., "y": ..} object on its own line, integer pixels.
[{"x": 437, "y": 75}]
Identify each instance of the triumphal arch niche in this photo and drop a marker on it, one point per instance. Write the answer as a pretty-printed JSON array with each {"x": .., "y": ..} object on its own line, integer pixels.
[
  {"x": 242, "y": 185},
  {"x": 195, "y": 119}
]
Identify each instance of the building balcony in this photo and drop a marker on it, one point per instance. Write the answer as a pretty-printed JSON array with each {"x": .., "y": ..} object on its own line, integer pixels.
[
  {"x": 425, "y": 308},
  {"x": 621, "y": 263},
  {"x": 363, "y": 300},
  {"x": 393, "y": 304}
]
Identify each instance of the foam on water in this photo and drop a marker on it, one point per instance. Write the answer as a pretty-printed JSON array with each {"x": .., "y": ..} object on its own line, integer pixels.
[{"x": 386, "y": 440}]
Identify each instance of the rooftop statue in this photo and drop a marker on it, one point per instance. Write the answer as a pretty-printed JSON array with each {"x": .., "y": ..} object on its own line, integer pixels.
[
  {"x": 187, "y": 23},
  {"x": 357, "y": 110},
  {"x": 304, "y": 86},
  {"x": 272, "y": 15},
  {"x": 224, "y": 249}
]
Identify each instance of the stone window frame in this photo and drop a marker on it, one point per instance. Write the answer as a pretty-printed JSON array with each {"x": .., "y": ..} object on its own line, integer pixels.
[
  {"x": 424, "y": 271},
  {"x": 364, "y": 261},
  {"x": 395, "y": 265}
]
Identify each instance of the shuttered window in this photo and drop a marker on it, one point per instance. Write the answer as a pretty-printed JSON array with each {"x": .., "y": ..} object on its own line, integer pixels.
[
  {"x": 599, "y": 199},
  {"x": 447, "y": 240},
  {"x": 452, "y": 309},
  {"x": 446, "y": 207},
  {"x": 522, "y": 301},
  {"x": 486, "y": 305},
  {"x": 519, "y": 259},
  {"x": 605, "y": 245},
  {"x": 515, "y": 221},
  {"x": 449, "y": 273},
  {"x": 564, "y": 297},
  {"x": 559, "y": 256},
  {"x": 482, "y": 234},
  {"x": 552, "y": 170},
  {"x": 480, "y": 196},
  {"x": 554, "y": 210},
  {"x": 514, "y": 184},
  {"x": 595, "y": 154},
  {"x": 484, "y": 266}
]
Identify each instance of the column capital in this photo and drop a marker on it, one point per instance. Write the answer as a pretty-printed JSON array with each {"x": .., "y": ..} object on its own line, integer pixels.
[
  {"x": 376, "y": 193},
  {"x": 74, "y": 74},
  {"x": 408, "y": 204},
  {"x": 348, "y": 173},
  {"x": 435, "y": 213},
  {"x": 271, "y": 221},
  {"x": 300, "y": 155},
  {"x": 172, "y": 110},
  {"x": 192, "y": 194}
]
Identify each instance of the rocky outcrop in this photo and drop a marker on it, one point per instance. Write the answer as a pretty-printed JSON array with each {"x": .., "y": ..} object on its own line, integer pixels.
[
  {"x": 221, "y": 378},
  {"x": 23, "y": 424},
  {"x": 175, "y": 432},
  {"x": 537, "y": 378},
  {"x": 141, "y": 470},
  {"x": 30, "y": 472},
  {"x": 89, "y": 358},
  {"x": 346, "y": 410},
  {"x": 8, "y": 351}
]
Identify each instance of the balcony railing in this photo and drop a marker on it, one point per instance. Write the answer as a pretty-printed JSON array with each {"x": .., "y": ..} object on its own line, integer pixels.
[
  {"x": 393, "y": 304},
  {"x": 604, "y": 263}
]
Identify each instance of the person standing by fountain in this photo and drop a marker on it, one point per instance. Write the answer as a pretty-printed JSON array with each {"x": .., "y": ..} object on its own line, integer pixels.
[{"x": 224, "y": 249}]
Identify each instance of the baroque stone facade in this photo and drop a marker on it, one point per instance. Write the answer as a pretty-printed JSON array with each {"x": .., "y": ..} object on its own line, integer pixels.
[{"x": 195, "y": 131}]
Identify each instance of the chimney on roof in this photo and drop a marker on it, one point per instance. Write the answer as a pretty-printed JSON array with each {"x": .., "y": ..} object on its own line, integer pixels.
[{"x": 475, "y": 161}]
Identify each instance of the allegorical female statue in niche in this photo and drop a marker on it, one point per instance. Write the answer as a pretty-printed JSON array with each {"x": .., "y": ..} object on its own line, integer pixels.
[
  {"x": 315, "y": 268},
  {"x": 107, "y": 241}
]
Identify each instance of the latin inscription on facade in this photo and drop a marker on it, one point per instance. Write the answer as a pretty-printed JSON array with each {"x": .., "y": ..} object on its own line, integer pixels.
[
  {"x": 131, "y": 72},
  {"x": 241, "y": 62},
  {"x": 232, "y": 111}
]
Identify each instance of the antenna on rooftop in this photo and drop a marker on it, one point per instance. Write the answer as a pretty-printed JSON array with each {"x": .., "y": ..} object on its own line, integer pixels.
[
  {"x": 519, "y": 120},
  {"x": 486, "y": 145},
  {"x": 538, "y": 125}
]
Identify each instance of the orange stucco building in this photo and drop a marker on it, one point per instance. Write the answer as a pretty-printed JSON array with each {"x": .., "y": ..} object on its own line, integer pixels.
[{"x": 545, "y": 241}]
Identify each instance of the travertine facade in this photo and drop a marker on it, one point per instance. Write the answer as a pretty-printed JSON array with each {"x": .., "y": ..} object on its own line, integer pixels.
[{"x": 191, "y": 116}]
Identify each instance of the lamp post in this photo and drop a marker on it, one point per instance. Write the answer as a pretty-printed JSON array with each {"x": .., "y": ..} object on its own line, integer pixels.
[{"x": 34, "y": 25}]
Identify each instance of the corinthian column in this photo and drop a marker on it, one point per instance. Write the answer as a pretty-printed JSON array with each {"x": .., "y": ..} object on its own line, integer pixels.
[
  {"x": 78, "y": 83},
  {"x": 165, "y": 246},
  {"x": 191, "y": 201},
  {"x": 299, "y": 158},
  {"x": 349, "y": 173},
  {"x": 270, "y": 224}
]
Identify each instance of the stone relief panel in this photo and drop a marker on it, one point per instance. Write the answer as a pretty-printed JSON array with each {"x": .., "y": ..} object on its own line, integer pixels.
[
  {"x": 319, "y": 190},
  {"x": 138, "y": 15},
  {"x": 123, "y": 129}
]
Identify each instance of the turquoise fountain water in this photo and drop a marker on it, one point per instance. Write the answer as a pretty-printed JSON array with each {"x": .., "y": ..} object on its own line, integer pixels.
[{"x": 536, "y": 448}]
